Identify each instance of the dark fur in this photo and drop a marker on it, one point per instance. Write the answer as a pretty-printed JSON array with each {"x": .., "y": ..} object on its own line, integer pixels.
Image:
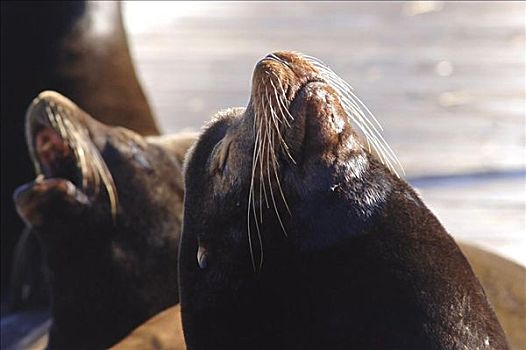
[
  {"x": 52, "y": 45},
  {"x": 108, "y": 277},
  {"x": 347, "y": 276}
]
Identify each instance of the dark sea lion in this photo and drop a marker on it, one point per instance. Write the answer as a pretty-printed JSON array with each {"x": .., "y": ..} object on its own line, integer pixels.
[
  {"x": 107, "y": 208},
  {"x": 296, "y": 237},
  {"x": 78, "y": 48}
]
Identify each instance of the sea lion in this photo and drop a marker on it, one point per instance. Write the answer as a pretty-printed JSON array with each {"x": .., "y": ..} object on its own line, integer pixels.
[
  {"x": 107, "y": 208},
  {"x": 296, "y": 237},
  {"x": 76, "y": 47},
  {"x": 504, "y": 282},
  {"x": 162, "y": 332}
]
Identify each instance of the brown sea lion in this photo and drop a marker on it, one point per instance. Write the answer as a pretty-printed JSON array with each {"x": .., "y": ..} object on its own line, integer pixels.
[
  {"x": 162, "y": 332},
  {"x": 296, "y": 237},
  {"x": 107, "y": 208},
  {"x": 78, "y": 48},
  {"x": 504, "y": 282}
]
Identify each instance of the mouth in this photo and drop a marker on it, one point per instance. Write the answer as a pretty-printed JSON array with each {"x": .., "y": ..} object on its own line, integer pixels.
[
  {"x": 279, "y": 83},
  {"x": 62, "y": 150},
  {"x": 286, "y": 76},
  {"x": 56, "y": 146},
  {"x": 50, "y": 147}
]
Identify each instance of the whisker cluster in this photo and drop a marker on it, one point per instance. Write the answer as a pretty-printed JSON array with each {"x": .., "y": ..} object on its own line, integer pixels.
[
  {"x": 269, "y": 116},
  {"x": 360, "y": 115}
]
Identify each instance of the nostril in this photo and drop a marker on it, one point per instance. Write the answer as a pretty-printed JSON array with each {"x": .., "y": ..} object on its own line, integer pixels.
[
  {"x": 268, "y": 59},
  {"x": 273, "y": 57}
]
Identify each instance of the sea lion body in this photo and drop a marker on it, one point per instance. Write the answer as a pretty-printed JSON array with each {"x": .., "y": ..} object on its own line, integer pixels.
[
  {"x": 80, "y": 49},
  {"x": 296, "y": 237},
  {"x": 108, "y": 217}
]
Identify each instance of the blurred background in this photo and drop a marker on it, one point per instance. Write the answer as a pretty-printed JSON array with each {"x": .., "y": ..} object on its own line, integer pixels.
[{"x": 446, "y": 80}]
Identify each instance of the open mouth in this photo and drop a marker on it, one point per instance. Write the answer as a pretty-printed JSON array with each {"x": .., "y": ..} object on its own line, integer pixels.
[
  {"x": 62, "y": 150},
  {"x": 53, "y": 155},
  {"x": 53, "y": 142}
]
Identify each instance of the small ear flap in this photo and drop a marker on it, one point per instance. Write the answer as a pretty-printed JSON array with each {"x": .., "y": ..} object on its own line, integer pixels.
[{"x": 202, "y": 257}]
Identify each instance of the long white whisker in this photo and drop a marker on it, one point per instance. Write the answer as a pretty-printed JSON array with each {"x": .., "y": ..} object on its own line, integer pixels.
[
  {"x": 269, "y": 178},
  {"x": 250, "y": 193},
  {"x": 348, "y": 88},
  {"x": 276, "y": 160},
  {"x": 276, "y": 127},
  {"x": 263, "y": 147},
  {"x": 257, "y": 148}
]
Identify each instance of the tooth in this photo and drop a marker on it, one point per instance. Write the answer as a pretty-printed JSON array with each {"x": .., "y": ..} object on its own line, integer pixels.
[
  {"x": 46, "y": 147},
  {"x": 71, "y": 189},
  {"x": 40, "y": 178}
]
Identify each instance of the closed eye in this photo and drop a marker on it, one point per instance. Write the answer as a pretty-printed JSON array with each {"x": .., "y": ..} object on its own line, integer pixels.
[{"x": 220, "y": 156}]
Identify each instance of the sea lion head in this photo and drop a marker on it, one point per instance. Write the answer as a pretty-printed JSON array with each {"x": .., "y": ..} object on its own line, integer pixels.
[
  {"x": 285, "y": 175},
  {"x": 85, "y": 166},
  {"x": 293, "y": 140},
  {"x": 107, "y": 207}
]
